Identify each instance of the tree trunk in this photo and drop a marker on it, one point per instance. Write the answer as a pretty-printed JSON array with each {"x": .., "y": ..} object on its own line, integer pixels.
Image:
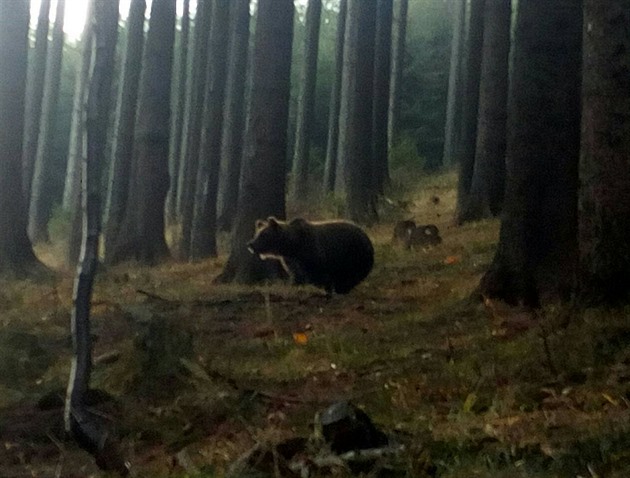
[
  {"x": 451, "y": 130},
  {"x": 86, "y": 427},
  {"x": 537, "y": 249},
  {"x": 127, "y": 105},
  {"x": 203, "y": 235},
  {"x": 34, "y": 95},
  {"x": 354, "y": 168},
  {"x": 39, "y": 209},
  {"x": 604, "y": 200},
  {"x": 382, "y": 73},
  {"x": 262, "y": 192},
  {"x": 16, "y": 253},
  {"x": 189, "y": 161},
  {"x": 76, "y": 150},
  {"x": 306, "y": 101},
  {"x": 399, "y": 38},
  {"x": 330, "y": 167},
  {"x": 234, "y": 114},
  {"x": 179, "y": 102},
  {"x": 488, "y": 180},
  {"x": 141, "y": 236},
  {"x": 470, "y": 107}
]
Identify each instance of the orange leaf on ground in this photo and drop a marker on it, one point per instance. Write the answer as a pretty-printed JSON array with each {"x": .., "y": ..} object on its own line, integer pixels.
[
  {"x": 450, "y": 260},
  {"x": 300, "y": 338}
]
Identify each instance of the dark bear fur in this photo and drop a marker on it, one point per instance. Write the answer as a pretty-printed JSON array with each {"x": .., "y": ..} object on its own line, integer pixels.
[
  {"x": 335, "y": 255},
  {"x": 422, "y": 236},
  {"x": 401, "y": 231}
]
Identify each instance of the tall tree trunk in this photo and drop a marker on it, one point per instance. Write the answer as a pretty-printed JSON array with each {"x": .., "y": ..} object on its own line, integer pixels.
[
  {"x": 604, "y": 201},
  {"x": 455, "y": 97},
  {"x": 203, "y": 237},
  {"x": 488, "y": 180},
  {"x": 354, "y": 168},
  {"x": 179, "y": 102},
  {"x": 330, "y": 167},
  {"x": 234, "y": 113},
  {"x": 34, "y": 95},
  {"x": 86, "y": 427},
  {"x": 16, "y": 253},
  {"x": 189, "y": 161},
  {"x": 76, "y": 150},
  {"x": 537, "y": 248},
  {"x": 382, "y": 73},
  {"x": 141, "y": 236},
  {"x": 120, "y": 166},
  {"x": 262, "y": 191},
  {"x": 470, "y": 107},
  {"x": 39, "y": 209},
  {"x": 399, "y": 38},
  {"x": 306, "y": 101}
]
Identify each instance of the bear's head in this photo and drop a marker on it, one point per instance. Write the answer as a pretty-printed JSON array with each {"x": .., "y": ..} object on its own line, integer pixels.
[{"x": 272, "y": 237}]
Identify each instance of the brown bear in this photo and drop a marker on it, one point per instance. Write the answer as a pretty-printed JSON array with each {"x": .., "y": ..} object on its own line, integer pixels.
[
  {"x": 422, "y": 236},
  {"x": 401, "y": 231},
  {"x": 334, "y": 255}
]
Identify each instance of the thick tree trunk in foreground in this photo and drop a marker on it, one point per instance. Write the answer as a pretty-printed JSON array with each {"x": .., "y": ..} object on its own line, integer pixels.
[
  {"x": 88, "y": 428},
  {"x": 203, "y": 240},
  {"x": 234, "y": 114},
  {"x": 306, "y": 101},
  {"x": 330, "y": 167},
  {"x": 453, "y": 106},
  {"x": 399, "y": 39},
  {"x": 537, "y": 250},
  {"x": 34, "y": 95},
  {"x": 470, "y": 107},
  {"x": 141, "y": 236},
  {"x": 39, "y": 208},
  {"x": 604, "y": 201},
  {"x": 262, "y": 191},
  {"x": 488, "y": 181},
  {"x": 122, "y": 151},
  {"x": 382, "y": 72},
  {"x": 16, "y": 253},
  {"x": 355, "y": 165}
]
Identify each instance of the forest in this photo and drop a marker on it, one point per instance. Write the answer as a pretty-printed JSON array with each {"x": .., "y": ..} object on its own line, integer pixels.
[{"x": 314, "y": 238}]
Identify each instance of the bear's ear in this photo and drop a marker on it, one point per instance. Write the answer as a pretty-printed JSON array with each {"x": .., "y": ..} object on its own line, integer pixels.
[
  {"x": 272, "y": 221},
  {"x": 260, "y": 223}
]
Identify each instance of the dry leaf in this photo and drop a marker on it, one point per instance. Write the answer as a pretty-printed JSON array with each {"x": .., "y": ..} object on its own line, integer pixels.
[
  {"x": 450, "y": 260},
  {"x": 300, "y": 338}
]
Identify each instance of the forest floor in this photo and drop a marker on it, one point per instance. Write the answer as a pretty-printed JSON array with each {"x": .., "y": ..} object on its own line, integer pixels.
[{"x": 201, "y": 373}]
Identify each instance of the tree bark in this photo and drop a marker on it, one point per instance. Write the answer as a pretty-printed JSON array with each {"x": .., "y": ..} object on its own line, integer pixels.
[
  {"x": 203, "y": 235},
  {"x": 16, "y": 253},
  {"x": 355, "y": 165},
  {"x": 262, "y": 192},
  {"x": 86, "y": 427},
  {"x": 34, "y": 96},
  {"x": 141, "y": 237},
  {"x": 306, "y": 101},
  {"x": 179, "y": 91},
  {"x": 189, "y": 161},
  {"x": 382, "y": 72},
  {"x": 604, "y": 198},
  {"x": 39, "y": 209},
  {"x": 451, "y": 130},
  {"x": 234, "y": 114},
  {"x": 399, "y": 39},
  {"x": 470, "y": 107},
  {"x": 537, "y": 251},
  {"x": 332, "y": 145},
  {"x": 488, "y": 179},
  {"x": 76, "y": 150},
  {"x": 121, "y": 161}
]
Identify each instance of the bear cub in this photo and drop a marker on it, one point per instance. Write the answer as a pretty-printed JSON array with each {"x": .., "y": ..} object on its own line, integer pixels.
[
  {"x": 423, "y": 236},
  {"x": 334, "y": 255}
]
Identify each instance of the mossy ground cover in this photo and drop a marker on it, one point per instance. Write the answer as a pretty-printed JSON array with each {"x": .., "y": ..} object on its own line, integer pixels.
[{"x": 201, "y": 372}]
